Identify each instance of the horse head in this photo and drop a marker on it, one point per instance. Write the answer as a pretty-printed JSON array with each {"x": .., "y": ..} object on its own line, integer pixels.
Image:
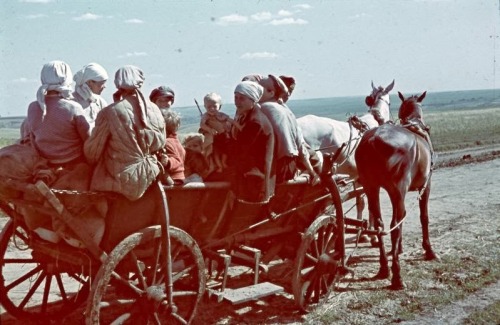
[
  {"x": 379, "y": 103},
  {"x": 411, "y": 108}
]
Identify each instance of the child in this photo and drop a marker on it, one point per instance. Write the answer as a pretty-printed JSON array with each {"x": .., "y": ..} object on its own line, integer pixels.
[
  {"x": 173, "y": 161},
  {"x": 215, "y": 123},
  {"x": 195, "y": 165}
]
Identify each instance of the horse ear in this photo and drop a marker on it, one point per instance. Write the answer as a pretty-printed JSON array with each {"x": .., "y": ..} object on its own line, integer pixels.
[
  {"x": 421, "y": 98},
  {"x": 373, "y": 86},
  {"x": 389, "y": 88},
  {"x": 401, "y": 96}
]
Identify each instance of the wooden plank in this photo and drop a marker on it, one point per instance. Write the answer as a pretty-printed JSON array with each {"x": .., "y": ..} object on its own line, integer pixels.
[{"x": 253, "y": 292}]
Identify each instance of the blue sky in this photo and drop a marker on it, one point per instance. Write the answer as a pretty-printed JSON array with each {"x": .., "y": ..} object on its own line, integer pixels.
[{"x": 332, "y": 47}]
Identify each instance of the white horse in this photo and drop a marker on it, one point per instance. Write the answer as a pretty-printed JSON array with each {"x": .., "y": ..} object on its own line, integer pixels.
[
  {"x": 328, "y": 135},
  {"x": 341, "y": 138}
]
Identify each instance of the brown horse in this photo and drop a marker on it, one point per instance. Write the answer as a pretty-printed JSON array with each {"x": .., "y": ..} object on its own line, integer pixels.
[{"x": 397, "y": 158}]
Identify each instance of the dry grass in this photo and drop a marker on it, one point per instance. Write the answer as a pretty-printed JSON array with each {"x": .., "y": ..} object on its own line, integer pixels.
[{"x": 460, "y": 129}]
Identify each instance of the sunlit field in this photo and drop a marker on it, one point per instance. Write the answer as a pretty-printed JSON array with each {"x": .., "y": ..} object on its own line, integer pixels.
[{"x": 460, "y": 129}]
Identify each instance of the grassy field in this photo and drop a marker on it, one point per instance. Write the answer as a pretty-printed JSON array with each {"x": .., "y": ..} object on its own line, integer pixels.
[
  {"x": 450, "y": 130},
  {"x": 453, "y": 130}
]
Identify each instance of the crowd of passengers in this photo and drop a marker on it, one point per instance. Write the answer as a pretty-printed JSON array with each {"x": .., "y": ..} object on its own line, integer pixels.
[{"x": 123, "y": 147}]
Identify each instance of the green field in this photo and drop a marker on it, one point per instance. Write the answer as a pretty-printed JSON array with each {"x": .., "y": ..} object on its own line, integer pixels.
[{"x": 450, "y": 129}]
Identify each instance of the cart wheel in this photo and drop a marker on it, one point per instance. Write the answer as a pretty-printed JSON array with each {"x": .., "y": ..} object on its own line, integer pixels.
[
  {"x": 33, "y": 290},
  {"x": 317, "y": 262},
  {"x": 130, "y": 286}
]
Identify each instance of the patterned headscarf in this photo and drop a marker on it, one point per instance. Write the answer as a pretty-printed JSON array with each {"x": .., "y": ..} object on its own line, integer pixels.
[
  {"x": 91, "y": 71},
  {"x": 130, "y": 77},
  {"x": 250, "y": 89},
  {"x": 55, "y": 75}
]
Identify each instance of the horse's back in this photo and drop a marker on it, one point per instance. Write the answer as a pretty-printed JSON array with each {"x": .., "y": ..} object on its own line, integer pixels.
[
  {"x": 322, "y": 132},
  {"x": 386, "y": 153}
]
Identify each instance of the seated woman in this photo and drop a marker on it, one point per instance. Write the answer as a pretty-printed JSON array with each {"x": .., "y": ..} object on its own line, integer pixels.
[
  {"x": 89, "y": 83},
  {"x": 56, "y": 124},
  {"x": 251, "y": 151},
  {"x": 123, "y": 147},
  {"x": 58, "y": 129}
]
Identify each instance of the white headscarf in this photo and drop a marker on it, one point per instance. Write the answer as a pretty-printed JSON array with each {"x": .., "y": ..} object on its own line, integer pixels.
[
  {"x": 91, "y": 71},
  {"x": 55, "y": 75},
  {"x": 130, "y": 77},
  {"x": 250, "y": 89}
]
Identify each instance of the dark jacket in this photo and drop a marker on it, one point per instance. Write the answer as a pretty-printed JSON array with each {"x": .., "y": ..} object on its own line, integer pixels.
[{"x": 252, "y": 158}]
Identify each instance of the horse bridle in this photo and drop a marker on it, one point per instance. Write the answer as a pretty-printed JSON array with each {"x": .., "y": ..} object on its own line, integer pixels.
[{"x": 375, "y": 98}]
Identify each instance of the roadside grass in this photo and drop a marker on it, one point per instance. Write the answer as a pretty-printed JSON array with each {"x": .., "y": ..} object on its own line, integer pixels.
[
  {"x": 486, "y": 316},
  {"x": 432, "y": 285},
  {"x": 8, "y": 136},
  {"x": 461, "y": 129}
]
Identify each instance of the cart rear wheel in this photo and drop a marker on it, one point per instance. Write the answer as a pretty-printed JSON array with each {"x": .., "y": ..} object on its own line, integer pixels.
[
  {"x": 32, "y": 289},
  {"x": 317, "y": 262},
  {"x": 130, "y": 286}
]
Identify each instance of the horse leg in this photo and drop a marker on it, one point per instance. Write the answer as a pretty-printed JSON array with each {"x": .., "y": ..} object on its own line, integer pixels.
[
  {"x": 373, "y": 196},
  {"x": 398, "y": 213},
  {"x": 424, "y": 221},
  {"x": 360, "y": 207}
]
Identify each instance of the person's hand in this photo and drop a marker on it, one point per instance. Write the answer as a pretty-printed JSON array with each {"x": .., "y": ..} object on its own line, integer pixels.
[
  {"x": 314, "y": 179},
  {"x": 164, "y": 159}
]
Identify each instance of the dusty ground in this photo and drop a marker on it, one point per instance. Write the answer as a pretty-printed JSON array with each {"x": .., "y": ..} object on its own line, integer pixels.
[{"x": 464, "y": 207}]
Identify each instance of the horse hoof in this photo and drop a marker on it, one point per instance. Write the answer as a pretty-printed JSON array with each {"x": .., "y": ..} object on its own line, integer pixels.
[
  {"x": 397, "y": 286},
  {"x": 382, "y": 274},
  {"x": 430, "y": 256}
]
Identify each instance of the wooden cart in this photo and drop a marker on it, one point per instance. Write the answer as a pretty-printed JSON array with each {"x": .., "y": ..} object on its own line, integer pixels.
[{"x": 159, "y": 273}]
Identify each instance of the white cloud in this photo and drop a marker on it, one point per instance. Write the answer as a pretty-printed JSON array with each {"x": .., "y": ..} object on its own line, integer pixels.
[
  {"x": 284, "y": 13},
  {"x": 36, "y": 1},
  {"x": 303, "y": 6},
  {"x": 132, "y": 54},
  {"x": 87, "y": 16},
  {"x": 288, "y": 21},
  {"x": 35, "y": 16},
  {"x": 232, "y": 20},
  {"x": 262, "y": 16},
  {"x": 24, "y": 80},
  {"x": 259, "y": 55},
  {"x": 134, "y": 21}
]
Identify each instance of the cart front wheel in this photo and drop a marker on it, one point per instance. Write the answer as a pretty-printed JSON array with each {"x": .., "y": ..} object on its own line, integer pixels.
[
  {"x": 317, "y": 262},
  {"x": 130, "y": 287}
]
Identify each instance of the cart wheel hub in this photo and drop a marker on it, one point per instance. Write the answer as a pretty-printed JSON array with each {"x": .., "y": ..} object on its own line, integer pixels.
[
  {"x": 326, "y": 264},
  {"x": 156, "y": 293}
]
